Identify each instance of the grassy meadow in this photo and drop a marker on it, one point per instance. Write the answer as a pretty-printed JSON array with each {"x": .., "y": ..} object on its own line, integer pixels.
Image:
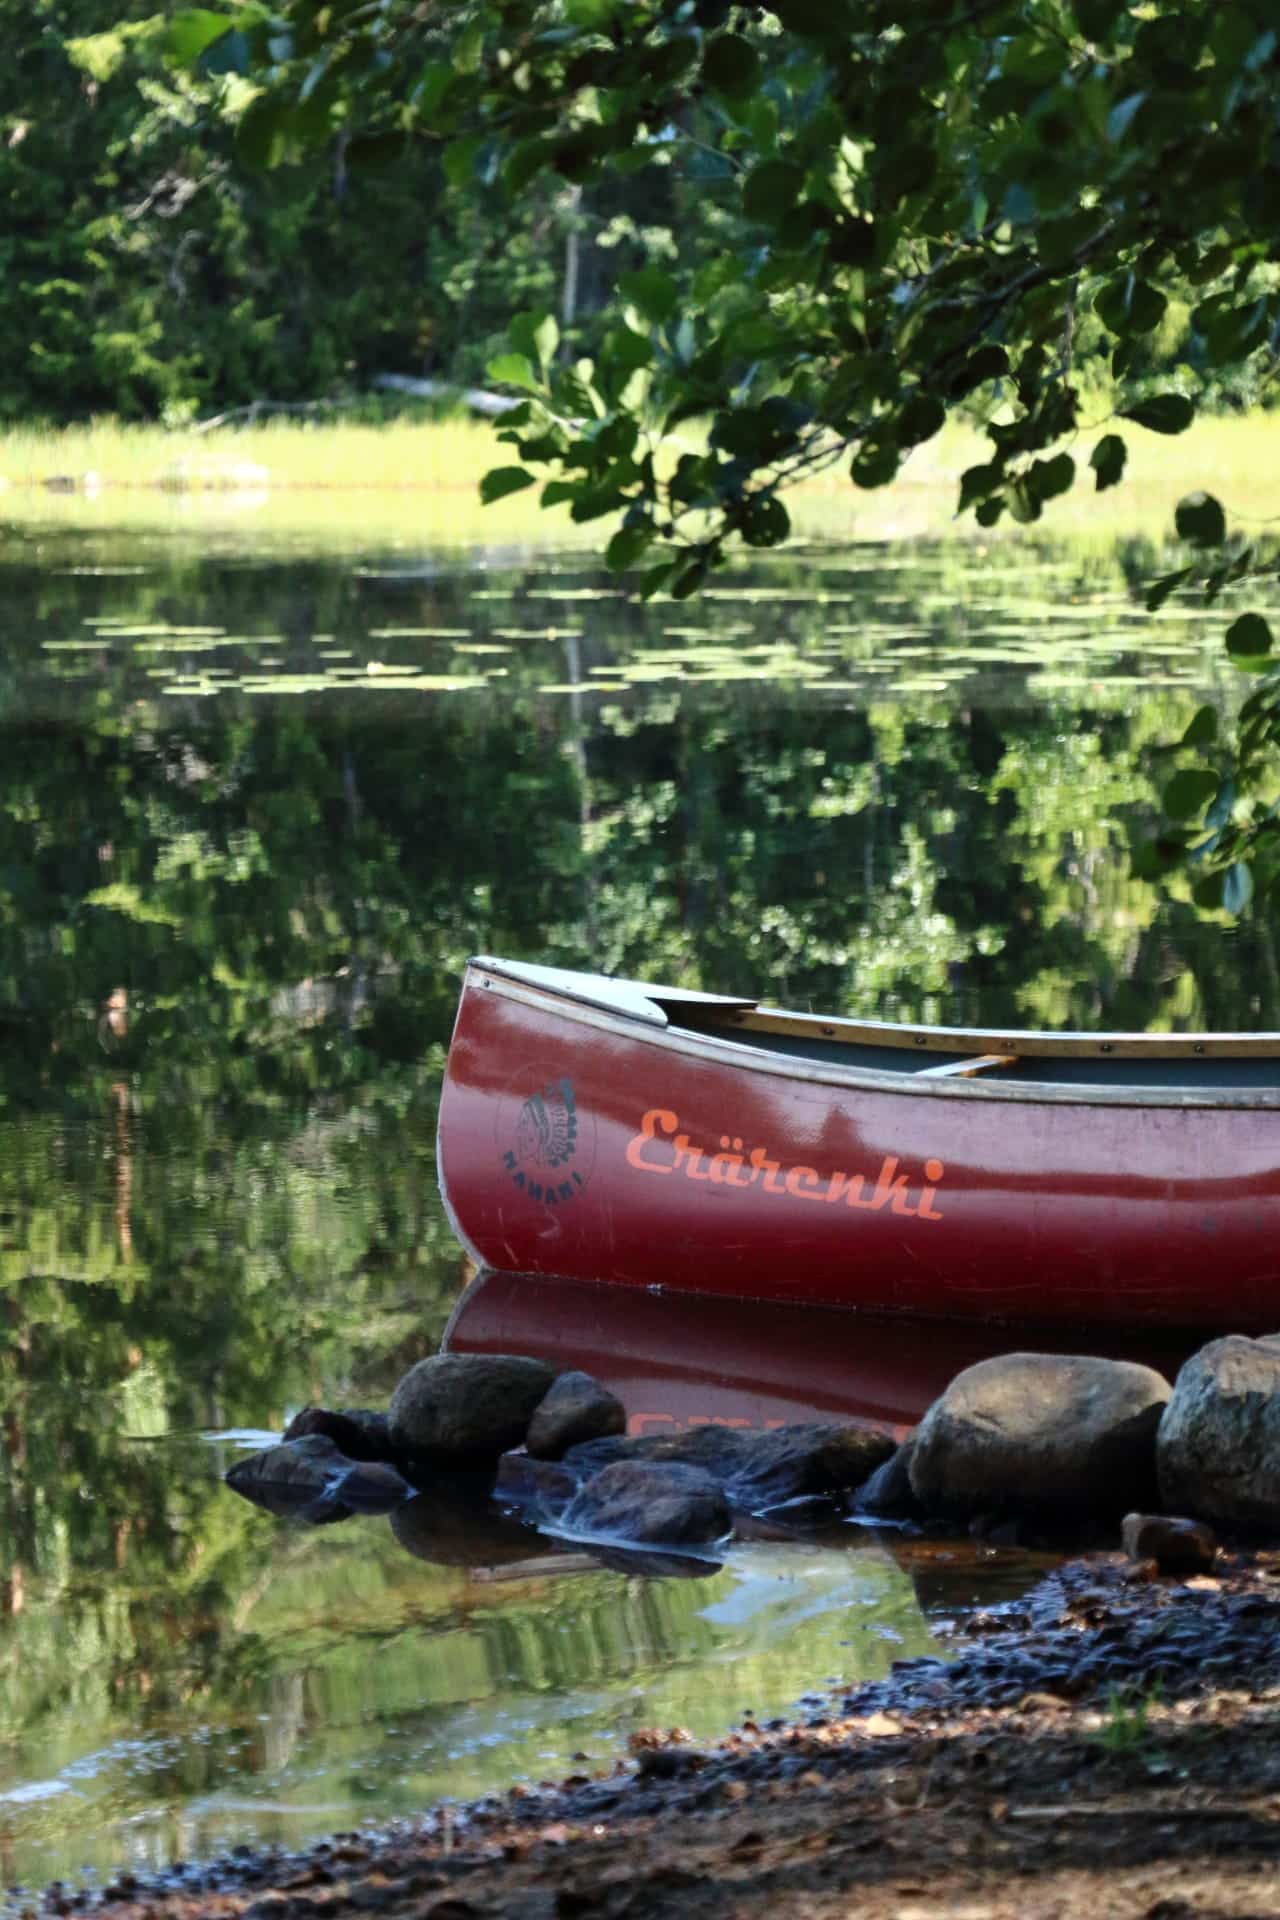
[{"x": 416, "y": 481}]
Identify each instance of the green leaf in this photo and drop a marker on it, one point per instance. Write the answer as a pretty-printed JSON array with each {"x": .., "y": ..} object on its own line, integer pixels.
[
  {"x": 731, "y": 66},
  {"x": 1129, "y": 305},
  {"x": 512, "y": 370},
  {"x": 500, "y": 481},
  {"x": 1249, "y": 637},
  {"x": 651, "y": 290},
  {"x": 1108, "y": 460},
  {"x": 875, "y": 464},
  {"x": 977, "y": 482},
  {"x": 1049, "y": 478},
  {"x": 1224, "y": 801},
  {"x": 468, "y": 48},
  {"x": 1160, "y": 591},
  {"x": 1202, "y": 729},
  {"x": 190, "y": 33},
  {"x": 1189, "y": 790},
  {"x": 1162, "y": 413},
  {"x": 988, "y": 363},
  {"x": 771, "y": 190},
  {"x": 627, "y": 546},
  {"x": 536, "y": 336},
  {"x": 988, "y": 511},
  {"x": 1237, "y": 887},
  {"x": 1200, "y": 520},
  {"x": 765, "y": 521},
  {"x": 1122, "y": 116},
  {"x": 919, "y": 419}
]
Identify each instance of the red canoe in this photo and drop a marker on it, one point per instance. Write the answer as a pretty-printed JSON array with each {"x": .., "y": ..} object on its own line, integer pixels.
[{"x": 652, "y": 1137}]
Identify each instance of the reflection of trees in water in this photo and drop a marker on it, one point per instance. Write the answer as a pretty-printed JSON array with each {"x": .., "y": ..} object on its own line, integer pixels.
[{"x": 231, "y": 934}]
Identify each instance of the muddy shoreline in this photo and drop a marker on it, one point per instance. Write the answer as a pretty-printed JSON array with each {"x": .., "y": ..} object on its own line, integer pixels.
[{"x": 1107, "y": 1744}]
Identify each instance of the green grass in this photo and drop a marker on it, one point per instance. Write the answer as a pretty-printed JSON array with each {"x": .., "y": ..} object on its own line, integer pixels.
[{"x": 416, "y": 481}]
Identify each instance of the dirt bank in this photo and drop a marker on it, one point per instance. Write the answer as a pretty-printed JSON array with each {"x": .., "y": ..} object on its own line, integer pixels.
[{"x": 1099, "y": 1747}]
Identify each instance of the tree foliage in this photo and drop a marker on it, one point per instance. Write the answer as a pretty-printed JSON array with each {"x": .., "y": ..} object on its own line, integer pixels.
[{"x": 911, "y": 208}]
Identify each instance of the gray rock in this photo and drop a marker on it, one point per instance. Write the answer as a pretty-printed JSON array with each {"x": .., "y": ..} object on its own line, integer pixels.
[
  {"x": 801, "y": 1462},
  {"x": 650, "y": 1503},
  {"x": 311, "y": 1479},
  {"x": 359, "y": 1432},
  {"x": 1218, "y": 1450},
  {"x": 1176, "y": 1546},
  {"x": 757, "y": 1468},
  {"x": 576, "y": 1408},
  {"x": 1041, "y": 1432},
  {"x": 466, "y": 1408},
  {"x": 889, "y": 1494}
]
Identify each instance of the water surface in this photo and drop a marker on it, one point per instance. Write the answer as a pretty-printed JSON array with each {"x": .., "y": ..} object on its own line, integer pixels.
[{"x": 256, "y": 807}]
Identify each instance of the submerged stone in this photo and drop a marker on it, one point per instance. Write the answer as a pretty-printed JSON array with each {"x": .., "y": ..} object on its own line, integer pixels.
[
  {"x": 758, "y": 1469},
  {"x": 650, "y": 1503}
]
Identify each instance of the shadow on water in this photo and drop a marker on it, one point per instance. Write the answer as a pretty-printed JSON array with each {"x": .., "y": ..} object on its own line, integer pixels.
[{"x": 255, "y": 811}]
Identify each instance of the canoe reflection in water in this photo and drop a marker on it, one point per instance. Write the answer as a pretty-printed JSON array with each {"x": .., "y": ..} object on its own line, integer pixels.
[{"x": 679, "y": 1360}]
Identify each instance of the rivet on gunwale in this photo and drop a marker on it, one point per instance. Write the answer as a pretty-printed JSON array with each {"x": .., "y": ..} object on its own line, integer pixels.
[
  {"x": 921, "y": 1041},
  {"x": 828, "y": 1031},
  {"x": 1106, "y": 1046},
  {"x": 1198, "y": 1047}
]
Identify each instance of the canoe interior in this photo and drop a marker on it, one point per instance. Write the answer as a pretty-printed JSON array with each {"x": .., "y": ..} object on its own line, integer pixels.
[{"x": 1058, "y": 1070}]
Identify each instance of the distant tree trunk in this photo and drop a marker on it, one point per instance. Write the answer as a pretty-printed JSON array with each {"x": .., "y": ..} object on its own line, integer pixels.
[{"x": 572, "y": 260}]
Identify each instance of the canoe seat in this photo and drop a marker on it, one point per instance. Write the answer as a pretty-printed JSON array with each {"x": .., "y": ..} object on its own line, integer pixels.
[{"x": 965, "y": 1069}]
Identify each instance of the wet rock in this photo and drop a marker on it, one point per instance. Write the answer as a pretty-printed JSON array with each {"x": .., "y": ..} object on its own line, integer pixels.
[
  {"x": 660, "y": 1503},
  {"x": 576, "y": 1408},
  {"x": 466, "y": 1408},
  {"x": 797, "y": 1463},
  {"x": 1176, "y": 1546},
  {"x": 539, "y": 1489},
  {"x": 359, "y": 1432},
  {"x": 310, "y": 1479},
  {"x": 757, "y": 1469},
  {"x": 1041, "y": 1432},
  {"x": 889, "y": 1494},
  {"x": 456, "y": 1523},
  {"x": 1218, "y": 1449}
]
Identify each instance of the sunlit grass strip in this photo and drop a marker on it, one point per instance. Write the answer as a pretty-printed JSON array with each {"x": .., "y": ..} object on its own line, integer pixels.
[{"x": 417, "y": 485}]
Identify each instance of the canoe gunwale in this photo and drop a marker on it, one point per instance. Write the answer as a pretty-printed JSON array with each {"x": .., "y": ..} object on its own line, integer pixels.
[
  {"x": 650, "y": 1003},
  {"x": 734, "y": 1049}
]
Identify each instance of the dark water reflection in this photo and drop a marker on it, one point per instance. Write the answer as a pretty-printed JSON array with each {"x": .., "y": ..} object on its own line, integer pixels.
[{"x": 254, "y": 813}]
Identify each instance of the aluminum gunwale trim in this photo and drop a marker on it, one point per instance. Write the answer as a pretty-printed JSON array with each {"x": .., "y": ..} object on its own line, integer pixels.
[{"x": 738, "y": 1053}]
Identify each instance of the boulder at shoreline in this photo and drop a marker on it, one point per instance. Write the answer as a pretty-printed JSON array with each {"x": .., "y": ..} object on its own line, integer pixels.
[
  {"x": 463, "y": 1409},
  {"x": 1041, "y": 1433},
  {"x": 1218, "y": 1448}
]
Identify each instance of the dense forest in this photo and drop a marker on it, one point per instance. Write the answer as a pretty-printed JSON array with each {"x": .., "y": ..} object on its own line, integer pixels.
[{"x": 153, "y": 268}]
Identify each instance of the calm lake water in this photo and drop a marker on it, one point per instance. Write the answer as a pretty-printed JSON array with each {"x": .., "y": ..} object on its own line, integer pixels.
[{"x": 256, "y": 807}]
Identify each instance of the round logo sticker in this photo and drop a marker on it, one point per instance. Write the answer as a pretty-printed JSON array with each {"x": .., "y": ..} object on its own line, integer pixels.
[{"x": 546, "y": 1146}]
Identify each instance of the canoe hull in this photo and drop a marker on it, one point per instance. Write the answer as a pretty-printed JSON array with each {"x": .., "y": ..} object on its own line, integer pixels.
[{"x": 586, "y": 1145}]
